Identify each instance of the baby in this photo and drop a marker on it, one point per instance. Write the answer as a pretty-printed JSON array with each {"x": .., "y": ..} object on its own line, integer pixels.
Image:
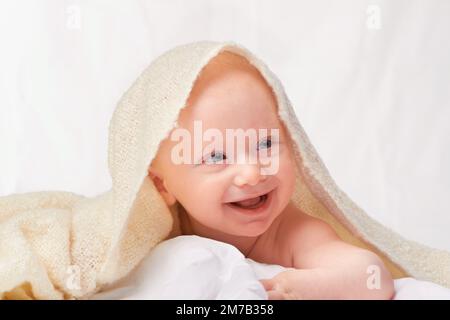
[{"x": 240, "y": 204}]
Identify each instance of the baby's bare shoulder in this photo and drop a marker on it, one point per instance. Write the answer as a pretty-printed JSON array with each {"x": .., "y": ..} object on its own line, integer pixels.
[
  {"x": 293, "y": 231},
  {"x": 299, "y": 232}
]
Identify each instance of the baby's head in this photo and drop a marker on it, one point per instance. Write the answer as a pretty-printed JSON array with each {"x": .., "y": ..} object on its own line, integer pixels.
[{"x": 229, "y": 94}]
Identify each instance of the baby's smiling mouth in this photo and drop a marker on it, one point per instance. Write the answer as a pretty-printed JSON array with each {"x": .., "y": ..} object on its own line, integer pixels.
[{"x": 251, "y": 203}]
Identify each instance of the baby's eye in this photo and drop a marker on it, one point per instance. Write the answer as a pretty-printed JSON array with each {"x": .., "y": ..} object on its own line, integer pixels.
[
  {"x": 214, "y": 156},
  {"x": 266, "y": 143}
]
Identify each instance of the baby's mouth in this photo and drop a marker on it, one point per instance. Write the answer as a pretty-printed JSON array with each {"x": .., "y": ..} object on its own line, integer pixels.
[{"x": 252, "y": 203}]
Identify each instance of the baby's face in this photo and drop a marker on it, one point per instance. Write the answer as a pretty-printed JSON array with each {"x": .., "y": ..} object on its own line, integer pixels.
[{"x": 229, "y": 96}]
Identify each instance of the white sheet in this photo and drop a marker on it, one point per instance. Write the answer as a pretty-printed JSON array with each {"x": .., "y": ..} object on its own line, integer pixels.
[{"x": 192, "y": 267}]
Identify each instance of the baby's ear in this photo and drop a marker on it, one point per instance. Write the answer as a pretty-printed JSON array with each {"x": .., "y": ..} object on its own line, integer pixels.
[{"x": 161, "y": 186}]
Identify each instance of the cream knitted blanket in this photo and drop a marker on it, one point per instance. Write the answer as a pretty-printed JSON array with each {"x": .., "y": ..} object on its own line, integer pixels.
[{"x": 59, "y": 245}]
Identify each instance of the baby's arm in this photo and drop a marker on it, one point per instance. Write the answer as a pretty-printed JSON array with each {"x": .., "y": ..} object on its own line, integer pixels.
[{"x": 327, "y": 267}]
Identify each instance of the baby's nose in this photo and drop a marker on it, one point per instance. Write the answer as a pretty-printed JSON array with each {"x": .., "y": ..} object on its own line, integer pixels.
[{"x": 248, "y": 174}]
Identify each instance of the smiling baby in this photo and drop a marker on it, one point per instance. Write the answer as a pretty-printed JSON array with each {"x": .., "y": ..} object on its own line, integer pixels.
[{"x": 240, "y": 197}]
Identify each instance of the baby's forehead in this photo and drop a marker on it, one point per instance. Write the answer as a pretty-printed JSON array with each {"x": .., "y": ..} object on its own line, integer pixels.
[
  {"x": 225, "y": 68},
  {"x": 225, "y": 60},
  {"x": 265, "y": 118},
  {"x": 230, "y": 91}
]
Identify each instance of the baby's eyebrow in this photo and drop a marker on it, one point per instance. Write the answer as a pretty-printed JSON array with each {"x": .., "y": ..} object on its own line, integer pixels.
[{"x": 223, "y": 150}]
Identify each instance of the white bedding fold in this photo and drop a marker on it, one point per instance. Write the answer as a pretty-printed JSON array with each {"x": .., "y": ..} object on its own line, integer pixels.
[{"x": 192, "y": 267}]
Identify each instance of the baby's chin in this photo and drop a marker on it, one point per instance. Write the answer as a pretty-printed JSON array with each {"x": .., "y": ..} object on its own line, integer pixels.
[{"x": 251, "y": 229}]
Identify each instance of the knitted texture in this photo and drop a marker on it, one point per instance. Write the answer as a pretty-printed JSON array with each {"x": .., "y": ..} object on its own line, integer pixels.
[{"x": 59, "y": 245}]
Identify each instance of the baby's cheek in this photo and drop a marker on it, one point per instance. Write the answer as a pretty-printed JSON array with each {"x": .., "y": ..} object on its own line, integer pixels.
[
  {"x": 287, "y": 173},
  {"x": 202, "y": 206}
]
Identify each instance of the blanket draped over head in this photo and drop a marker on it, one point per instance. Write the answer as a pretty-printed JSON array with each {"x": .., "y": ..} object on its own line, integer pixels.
[{"x": 60, "y": 245}]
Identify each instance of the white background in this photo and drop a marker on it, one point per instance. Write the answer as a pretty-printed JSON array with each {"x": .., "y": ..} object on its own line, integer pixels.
[{"x": 370, "y": 82}]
